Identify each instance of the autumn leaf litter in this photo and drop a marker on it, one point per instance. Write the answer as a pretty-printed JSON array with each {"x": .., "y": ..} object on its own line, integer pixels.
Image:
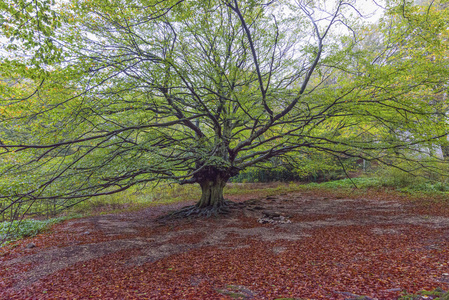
[{"x": 308, "y": 245}]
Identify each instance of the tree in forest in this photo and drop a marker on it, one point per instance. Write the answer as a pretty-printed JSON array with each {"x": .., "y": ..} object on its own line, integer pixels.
[
  {"x": 197, "y": 91},
  {"x": 425, "y": 28}
]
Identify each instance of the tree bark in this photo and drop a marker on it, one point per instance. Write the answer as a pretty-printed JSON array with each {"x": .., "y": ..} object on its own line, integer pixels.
[
  {"x": 212, "y": 181},
  {"x": 212, "y": 192}
]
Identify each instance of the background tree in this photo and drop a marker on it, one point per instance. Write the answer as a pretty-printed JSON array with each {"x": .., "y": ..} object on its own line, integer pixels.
[{"x": 196, "y": 91}]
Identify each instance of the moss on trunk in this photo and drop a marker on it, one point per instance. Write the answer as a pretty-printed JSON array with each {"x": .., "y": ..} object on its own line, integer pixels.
[{"x": 212, "y": 192}]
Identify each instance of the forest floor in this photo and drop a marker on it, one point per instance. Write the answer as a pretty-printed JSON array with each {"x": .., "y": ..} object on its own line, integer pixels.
[{"x": 312, "y": 244}]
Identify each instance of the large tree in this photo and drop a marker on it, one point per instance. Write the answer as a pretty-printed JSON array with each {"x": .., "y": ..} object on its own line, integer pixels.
[{"x": 197, "y": 91}]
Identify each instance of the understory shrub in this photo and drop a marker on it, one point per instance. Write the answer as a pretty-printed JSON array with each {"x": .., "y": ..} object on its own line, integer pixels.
[
  {"x": 12, "y": 231},
  {"x": 424, "y": 180}
]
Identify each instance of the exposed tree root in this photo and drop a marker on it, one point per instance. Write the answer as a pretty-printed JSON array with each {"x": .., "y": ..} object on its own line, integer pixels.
[{"x": 193, "y": 211}]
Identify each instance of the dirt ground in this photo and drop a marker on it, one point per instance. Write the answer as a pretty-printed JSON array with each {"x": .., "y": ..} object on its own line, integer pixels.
[{"x": 301, "y": 245}]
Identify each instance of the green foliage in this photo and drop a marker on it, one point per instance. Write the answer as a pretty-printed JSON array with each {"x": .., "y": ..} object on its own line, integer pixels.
[
  {"x": 28, "y": 27},
  {"x": 181, "y": 91},
  {"x": 11, "y": 231},
  {"x": 423, "y": 180},
  {"x": 391, "y": 177},
  {"x": 267, "y": 175},
  {"x": 311, "y": 166},
  {"x": 437, "y": 294},
  {"x": 361, "y": 182},
  {"x": 137, "y": 197},
  {"x": 286, "y": 175}
]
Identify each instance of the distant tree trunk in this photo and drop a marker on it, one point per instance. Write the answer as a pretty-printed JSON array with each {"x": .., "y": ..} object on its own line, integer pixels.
[{"x": 445, "y": 151}]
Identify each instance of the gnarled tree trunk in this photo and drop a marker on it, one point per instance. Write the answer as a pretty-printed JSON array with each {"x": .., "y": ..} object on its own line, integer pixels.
[
  {"x": 212, "y": 192},
  {"x": 212, "y": 181}
]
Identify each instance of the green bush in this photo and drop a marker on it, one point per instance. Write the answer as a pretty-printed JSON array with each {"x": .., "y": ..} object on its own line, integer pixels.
[
  {"x": 390, "y": 178},
  {"x": 15, "y": 230},
  {"x": 361, "y": 182},
  {"x": 422, "y": 180},
  {"x": 437, "y": 294},
  {"x": 267, "y": 175},
  {"x": 393, "y": 177},
  {"x": 284, "y": 174}
]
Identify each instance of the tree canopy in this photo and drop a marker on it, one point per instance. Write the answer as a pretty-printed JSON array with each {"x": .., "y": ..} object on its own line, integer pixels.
[{"x": 132, "y": 92}]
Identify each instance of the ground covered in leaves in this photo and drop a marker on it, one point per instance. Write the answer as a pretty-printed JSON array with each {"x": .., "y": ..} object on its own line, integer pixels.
[{"x": 299, "y": 245}]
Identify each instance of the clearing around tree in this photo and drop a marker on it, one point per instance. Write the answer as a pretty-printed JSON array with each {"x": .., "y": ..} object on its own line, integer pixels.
[{"x": 311, "y": 244}]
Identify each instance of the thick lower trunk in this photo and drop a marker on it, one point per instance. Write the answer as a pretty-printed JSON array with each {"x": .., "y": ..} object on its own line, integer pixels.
[
  {"x": 212, "y": 181},
  {"x": 212, "y": 192}
]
